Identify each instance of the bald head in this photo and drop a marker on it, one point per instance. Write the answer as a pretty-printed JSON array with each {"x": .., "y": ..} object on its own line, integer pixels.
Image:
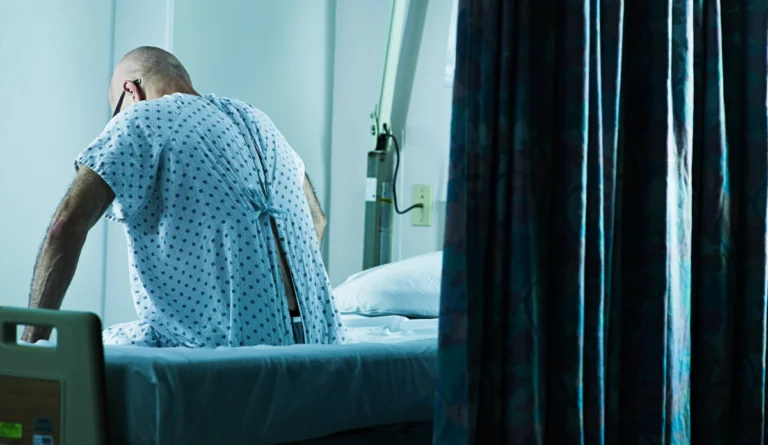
[{"x": 160, "y": 72}]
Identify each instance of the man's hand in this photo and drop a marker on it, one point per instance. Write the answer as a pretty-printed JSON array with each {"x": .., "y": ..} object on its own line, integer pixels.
[
  {"x": 34, "y": 333},
  {"x": 86, "y": 201}
]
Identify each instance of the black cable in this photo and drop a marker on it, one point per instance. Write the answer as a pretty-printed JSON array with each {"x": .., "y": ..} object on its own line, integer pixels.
[{"x": 394, "y": 179}]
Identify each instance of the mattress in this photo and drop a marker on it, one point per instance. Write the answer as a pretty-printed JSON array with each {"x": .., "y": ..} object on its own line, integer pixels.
[{"x": 264, "y": 394}]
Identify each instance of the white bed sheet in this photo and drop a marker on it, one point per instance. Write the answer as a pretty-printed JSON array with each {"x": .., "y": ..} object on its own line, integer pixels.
[
  {"x": 264, "y": 394},
  {"x": 389, "y": 329}
]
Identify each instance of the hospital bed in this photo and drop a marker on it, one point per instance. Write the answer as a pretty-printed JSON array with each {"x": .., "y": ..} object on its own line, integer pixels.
[{"x": 378, "y": 389}]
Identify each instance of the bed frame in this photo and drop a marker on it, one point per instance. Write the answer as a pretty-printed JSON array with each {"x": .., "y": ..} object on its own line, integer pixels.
[{"x": 57, "y": 395}]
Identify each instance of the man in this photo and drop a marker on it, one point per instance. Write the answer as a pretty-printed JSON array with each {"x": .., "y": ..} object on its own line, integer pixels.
[{"x": 223, "y": 227}]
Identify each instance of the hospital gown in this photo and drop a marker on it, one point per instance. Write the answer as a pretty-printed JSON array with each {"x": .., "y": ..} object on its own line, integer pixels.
[{"x": 197, "y": 181}]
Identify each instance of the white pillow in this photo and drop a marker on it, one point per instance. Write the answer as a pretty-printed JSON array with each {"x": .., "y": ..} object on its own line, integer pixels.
[{"x": 410, "y": 288}]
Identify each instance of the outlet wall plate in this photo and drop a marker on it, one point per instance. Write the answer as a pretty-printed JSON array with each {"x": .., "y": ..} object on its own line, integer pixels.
[{"x": 422, "y": 194}]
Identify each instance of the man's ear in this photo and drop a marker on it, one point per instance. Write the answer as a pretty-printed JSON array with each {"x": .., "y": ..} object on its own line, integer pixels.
[{"x": 132, "y": 90}]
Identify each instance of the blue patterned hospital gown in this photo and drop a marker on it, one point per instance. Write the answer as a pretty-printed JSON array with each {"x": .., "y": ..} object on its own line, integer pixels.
[{"x": 196, "y": 180}]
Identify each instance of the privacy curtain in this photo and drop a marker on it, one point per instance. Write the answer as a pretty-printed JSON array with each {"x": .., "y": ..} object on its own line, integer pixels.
[{"x": 605, "y": 258}]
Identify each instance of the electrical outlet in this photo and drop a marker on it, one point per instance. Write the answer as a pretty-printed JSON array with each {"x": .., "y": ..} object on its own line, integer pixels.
[{"x": 422, "y": 194}]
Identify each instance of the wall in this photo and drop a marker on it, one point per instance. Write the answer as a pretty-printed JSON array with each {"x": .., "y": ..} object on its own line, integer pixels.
[
  {"x": 361, "y": 35},
  {"x": 426, "y": 140},
  {"x": 56, "y": 59}
]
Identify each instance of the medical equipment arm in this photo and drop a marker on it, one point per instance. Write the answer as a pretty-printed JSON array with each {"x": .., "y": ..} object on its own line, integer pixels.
[
  {"x": 85, "y": 202},
  {"x": 318, "y": 217}
]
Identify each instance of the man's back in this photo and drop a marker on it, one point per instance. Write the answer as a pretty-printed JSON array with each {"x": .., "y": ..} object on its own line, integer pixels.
[{"x": 197, "y": 182}]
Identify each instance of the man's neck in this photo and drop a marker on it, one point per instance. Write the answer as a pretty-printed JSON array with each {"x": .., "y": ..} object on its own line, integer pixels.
[{"x": 173, "y": 90}]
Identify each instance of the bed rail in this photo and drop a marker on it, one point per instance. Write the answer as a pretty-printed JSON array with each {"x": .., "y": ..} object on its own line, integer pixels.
[{"x": 52, "y": 394}]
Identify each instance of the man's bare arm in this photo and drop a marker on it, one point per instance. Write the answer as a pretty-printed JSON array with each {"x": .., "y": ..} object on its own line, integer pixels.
[
  {"x": 86, "y": 201},
  {"x": 318, "y": 218}
]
